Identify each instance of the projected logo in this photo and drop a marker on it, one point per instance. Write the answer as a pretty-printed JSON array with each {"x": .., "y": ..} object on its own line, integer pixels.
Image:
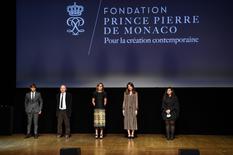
[{"x": 75, "y": 22}]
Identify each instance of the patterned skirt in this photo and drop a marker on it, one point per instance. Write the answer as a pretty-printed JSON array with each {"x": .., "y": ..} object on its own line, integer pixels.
[{"x": 99, "y": 118}]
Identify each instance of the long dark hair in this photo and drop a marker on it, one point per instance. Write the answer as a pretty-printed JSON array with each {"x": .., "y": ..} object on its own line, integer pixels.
[
  {"x": 98, "y": 86},
  {"x": 132, "y": 85},
  {"x": 166, "y": 95}
]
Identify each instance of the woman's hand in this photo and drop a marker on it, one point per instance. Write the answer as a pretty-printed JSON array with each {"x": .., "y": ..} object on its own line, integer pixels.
[
  {"x": 136, "y": 112},
  {"x": 168, "y": 111},
  {"x": 123, "y": 112}
]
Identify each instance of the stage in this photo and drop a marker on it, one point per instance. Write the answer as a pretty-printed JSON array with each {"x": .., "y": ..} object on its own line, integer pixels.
[{"x": 117, "y": 144}]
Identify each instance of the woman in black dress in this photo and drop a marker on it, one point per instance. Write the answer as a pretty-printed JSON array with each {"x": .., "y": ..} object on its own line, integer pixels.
[
  {"x": 99, "y": 101},
  {"x": 170, "y": 112}
]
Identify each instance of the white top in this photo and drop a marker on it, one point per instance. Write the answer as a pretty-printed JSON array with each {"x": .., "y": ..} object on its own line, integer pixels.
[
  {"x": 63, "y": 107},
  {"x": 33, "y": 95}
]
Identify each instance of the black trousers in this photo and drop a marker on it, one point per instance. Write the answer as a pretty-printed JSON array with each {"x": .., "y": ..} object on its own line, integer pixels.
[{"x": 63, "y": 117}]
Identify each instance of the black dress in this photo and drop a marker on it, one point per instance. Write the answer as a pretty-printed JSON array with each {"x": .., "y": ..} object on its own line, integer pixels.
[
  {"x": 99, "y": 99},
  {"x": 99, "y": 109},
  {"x": 171, "y": 103}
]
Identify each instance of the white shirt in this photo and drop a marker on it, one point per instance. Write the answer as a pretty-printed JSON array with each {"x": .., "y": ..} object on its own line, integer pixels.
[
  {"x": 64, "y": 101},
  {"x": 33, "y": 95}
]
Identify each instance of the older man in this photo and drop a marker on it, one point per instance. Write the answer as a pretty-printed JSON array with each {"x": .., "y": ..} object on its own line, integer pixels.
[{"x": 64, "y": 104}]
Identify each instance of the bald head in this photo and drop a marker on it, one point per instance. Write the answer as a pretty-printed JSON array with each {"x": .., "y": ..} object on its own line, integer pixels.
[{"x": 63, "y": 88}]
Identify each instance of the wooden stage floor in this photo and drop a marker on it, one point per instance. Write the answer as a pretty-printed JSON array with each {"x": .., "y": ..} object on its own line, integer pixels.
[{"x": 116, "y": 144}]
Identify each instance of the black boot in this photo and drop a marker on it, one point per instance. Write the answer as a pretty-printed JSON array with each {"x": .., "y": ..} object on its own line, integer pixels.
[
  {"x": 172, "y": 132},
  {"x": 168, "y": 135}
]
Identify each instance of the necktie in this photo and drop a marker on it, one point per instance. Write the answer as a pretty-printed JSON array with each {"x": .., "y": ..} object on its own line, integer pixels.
[{"x": 61, "y": 100}]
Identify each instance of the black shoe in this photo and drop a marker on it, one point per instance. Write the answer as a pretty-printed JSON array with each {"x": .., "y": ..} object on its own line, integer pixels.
[
  {"x": 28, "y": 136},
  {"x": 36, "y": 136},
  {"x": 172, "y": 137},
  {"x": 168, "y": 137}
]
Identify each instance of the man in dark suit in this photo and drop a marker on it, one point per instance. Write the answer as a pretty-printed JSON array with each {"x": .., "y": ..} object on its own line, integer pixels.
[
  {"x": 33, "y": 106},
  {"x": 64, "y": 104}
]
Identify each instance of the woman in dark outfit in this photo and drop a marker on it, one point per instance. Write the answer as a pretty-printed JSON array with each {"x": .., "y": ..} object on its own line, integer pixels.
[
  {"x": 99, "y": 101},
  {"x": 170, "y": 112}
]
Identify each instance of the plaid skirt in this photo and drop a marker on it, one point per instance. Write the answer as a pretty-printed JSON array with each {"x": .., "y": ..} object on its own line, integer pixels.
[{"x": 99, "y": 118}]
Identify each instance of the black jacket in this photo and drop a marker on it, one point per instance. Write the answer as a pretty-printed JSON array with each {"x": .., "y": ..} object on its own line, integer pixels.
[
  {"x": 171, "y": 103},
  {"x": 68, "y": 103}
]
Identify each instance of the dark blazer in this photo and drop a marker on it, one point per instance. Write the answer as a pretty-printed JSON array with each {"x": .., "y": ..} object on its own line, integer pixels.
[
  {"x": 171, "y": 103},
  {"x": 33, "y": 105},
  {"x": 68, "y": 103}
]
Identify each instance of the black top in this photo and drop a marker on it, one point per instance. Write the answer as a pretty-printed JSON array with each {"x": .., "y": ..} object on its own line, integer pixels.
[
  {"x": 171, "y": 103},
  {"x": 99, "y": 99},
  {"x": 68, "y": 103}
]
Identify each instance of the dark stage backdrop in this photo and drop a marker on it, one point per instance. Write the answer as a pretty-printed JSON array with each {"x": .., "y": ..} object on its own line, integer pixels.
[{"x": 203, "y": 110}]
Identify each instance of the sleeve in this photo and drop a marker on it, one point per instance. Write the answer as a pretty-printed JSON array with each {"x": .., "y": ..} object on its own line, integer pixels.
[
  {"x": 136, "y": 95},
  {"x": 177, "y": 106},
  {"x": 123, "y": 105},
  {"x": 71, "y": 101},
  {"x": 70, "y": 104},
  {"x": 163, "y": 104},
  {"x": 105, "y": 98},
  {"x": 25, "y": 102},
  {"x": 57, "y": 103},
  {"x": 58, "y": 100},
  {"x": 41, "y": 101},
  {"x": 105, "y": 95},
  {"x": 94, "y": 95}
]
